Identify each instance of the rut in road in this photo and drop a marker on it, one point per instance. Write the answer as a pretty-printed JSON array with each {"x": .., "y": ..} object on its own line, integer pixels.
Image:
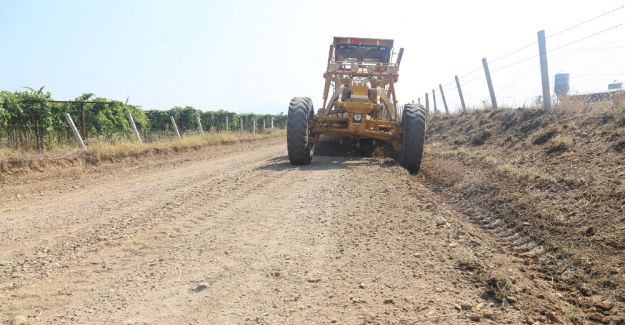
[{"x": 244, "y": 237}]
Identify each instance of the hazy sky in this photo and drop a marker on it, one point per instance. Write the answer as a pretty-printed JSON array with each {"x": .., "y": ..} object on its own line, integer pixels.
[{"x": 253, "y": 56}]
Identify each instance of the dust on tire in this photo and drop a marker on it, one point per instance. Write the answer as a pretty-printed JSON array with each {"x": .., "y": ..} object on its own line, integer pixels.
[
  {"x": 413, "y": 138},
  {"x": 299, "y": 146}
]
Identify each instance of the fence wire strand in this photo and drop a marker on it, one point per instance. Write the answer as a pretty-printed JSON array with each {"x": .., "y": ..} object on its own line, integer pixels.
[{"x": 516, "y": 88}]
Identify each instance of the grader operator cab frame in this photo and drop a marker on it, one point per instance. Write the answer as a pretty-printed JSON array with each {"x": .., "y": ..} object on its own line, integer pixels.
[{"x": 363, "y": 104}]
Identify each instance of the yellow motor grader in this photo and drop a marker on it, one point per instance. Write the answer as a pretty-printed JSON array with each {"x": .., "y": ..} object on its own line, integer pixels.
[{"x": 361, "y": 76}]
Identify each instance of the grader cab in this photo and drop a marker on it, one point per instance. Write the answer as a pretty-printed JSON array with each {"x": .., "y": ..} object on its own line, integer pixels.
[{"x": 359, "y": 102}]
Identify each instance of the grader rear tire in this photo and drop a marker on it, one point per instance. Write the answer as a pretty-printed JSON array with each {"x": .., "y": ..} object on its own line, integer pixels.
[
  {"x": 300, "y": 116},
  {"x": 413, "y": 138}
]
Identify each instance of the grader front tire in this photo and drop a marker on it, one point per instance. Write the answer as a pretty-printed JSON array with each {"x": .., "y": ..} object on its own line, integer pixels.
[
  {"x": 300, "y": 116},
  {"x": 413, "y": 138}
]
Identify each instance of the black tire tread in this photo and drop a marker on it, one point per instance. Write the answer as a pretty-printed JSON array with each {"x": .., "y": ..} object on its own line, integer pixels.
[
  {"x": 300, "y": 113},
  {"x": 413, "y": 139}
]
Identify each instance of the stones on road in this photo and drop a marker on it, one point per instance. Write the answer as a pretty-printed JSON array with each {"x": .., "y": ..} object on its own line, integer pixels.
[{"x": 200, "y": 287}]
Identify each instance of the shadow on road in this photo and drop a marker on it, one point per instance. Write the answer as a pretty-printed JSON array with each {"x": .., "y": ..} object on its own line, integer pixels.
[{"x": 281, "y": 163}]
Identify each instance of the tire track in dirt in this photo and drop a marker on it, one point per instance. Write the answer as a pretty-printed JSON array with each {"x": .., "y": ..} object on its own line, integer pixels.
[
  {"x": 178, "y": 240},
  {"x": 224, "y": 201},
  {"x": 236, "y": 233},
  {"x": 470, "y": 187},
  {"x": 107, "y": 223},
  {"x": 114, "y": 193},
  {"x": 440, "y": 176}
]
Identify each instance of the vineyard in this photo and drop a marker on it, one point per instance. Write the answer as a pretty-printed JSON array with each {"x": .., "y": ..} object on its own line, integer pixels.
[{"x": 31, "y": 119}]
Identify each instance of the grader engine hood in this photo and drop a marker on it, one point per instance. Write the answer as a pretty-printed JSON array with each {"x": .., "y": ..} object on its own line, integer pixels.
[{"x": 357, "y": 99}]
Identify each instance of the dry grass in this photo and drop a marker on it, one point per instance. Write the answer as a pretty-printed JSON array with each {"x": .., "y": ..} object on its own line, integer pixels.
[
  {"x": 545, "y": 136},
  {"x": 12, "y": 161},
  {"x": 498, "y": 287},
  {"x": 13, "y": 155},
  {"x": 558, "y": 177},
  {"x": 105, "y": 151},
  {"x": 573, "y": 105}
]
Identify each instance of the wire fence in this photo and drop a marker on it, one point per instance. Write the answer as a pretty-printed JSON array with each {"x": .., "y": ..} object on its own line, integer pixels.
[
  {"x": 585, "y": 63},
  {"x": 29, "y": 137},
  {"x": 31, "y": 120}
]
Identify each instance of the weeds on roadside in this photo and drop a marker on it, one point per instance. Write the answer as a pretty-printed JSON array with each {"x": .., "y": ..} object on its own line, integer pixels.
[{"x": 99, "y": 151}]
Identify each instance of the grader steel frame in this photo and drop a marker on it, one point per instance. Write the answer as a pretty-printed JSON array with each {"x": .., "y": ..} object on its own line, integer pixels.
[
  {"x": 365, "y": 89},
  {"x": 363, "y": 104}
]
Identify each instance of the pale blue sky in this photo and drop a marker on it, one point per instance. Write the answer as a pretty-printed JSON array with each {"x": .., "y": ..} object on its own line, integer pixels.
[{"x": 255, "y": 55}]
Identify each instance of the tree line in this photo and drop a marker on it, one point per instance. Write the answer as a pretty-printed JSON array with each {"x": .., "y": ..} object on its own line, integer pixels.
[{"x": 31, "y": 119}]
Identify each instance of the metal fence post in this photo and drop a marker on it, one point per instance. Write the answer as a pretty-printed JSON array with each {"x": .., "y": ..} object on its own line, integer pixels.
[
  {"x": 75, "y": 131},
  {"x": 134, "y": 127},
  {"x": 199, "y": 124},
  {"x": 464, "y": 107},
  {"x": 175, "y": 127},
  {"x": 444, "y": 100},
  {"x": 493, "y": 100},
  {"x": 544, "y": 71}
]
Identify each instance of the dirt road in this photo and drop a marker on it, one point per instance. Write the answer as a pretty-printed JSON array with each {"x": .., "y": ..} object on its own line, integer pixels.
[{"x": 233, "y": 235}]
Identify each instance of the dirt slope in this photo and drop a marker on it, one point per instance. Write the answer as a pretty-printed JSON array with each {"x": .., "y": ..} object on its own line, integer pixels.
[{"x": 552, "y": 187}]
